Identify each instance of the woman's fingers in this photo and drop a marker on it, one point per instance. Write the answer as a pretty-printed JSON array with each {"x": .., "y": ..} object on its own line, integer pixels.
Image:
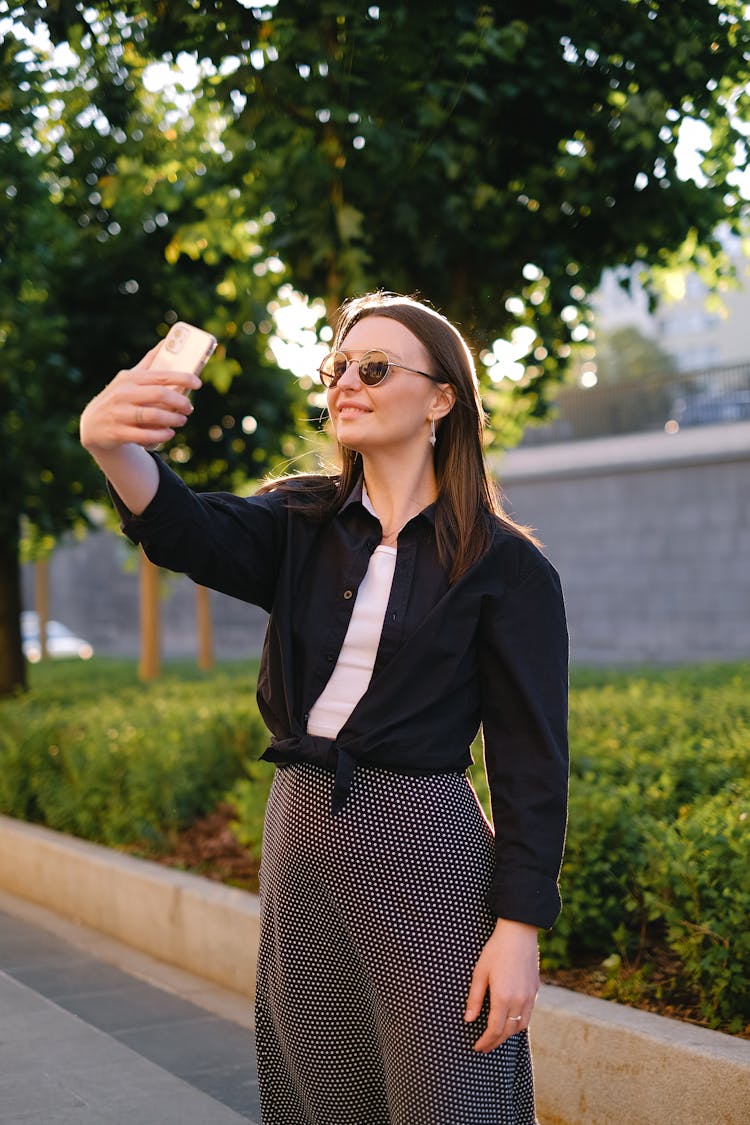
[
  {"x": 508, "y": 968},
  {"x": 148, "y": 439},
  {"x": 149, "y": 401},
  {"x": 140, "y": 405},
  {"x": 184, "y": 381},
  {"x": 479, "y": 985},
  {"x": 143, "y": 416},
  {"x": 501, "y": 1023}
]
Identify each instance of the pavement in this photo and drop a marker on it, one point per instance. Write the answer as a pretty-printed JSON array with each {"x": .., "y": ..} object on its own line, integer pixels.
[{"x": 87, "y": 1041}]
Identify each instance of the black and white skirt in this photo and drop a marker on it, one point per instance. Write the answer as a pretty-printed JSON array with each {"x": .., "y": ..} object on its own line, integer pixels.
[{"x": 372, "y": 922}]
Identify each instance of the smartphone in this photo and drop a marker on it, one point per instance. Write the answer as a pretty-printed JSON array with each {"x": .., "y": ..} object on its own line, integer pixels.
[{"x": 185, "y": 348}]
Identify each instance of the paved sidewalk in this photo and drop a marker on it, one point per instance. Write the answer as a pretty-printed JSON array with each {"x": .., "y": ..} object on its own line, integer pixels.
[{"x": 83, "y": 1042}]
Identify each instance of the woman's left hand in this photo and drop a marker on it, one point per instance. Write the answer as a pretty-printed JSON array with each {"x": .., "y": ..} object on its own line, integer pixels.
[{"x": 509, "y": 967}]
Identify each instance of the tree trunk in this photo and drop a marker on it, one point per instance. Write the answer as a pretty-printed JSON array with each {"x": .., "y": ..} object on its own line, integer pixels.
[
  {"x": 205, "y": 632},
  {"x": 12, "y": 663},
  {"x": 150, "y": 664},
  {"x": 41, "y": 601}
]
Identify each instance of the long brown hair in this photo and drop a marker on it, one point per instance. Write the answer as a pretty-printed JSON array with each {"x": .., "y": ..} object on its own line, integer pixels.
[{"x": 468, "y": 501}]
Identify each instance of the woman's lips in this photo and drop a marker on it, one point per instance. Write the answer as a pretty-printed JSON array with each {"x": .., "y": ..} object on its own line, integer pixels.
[{"x": 351, "y": 410}]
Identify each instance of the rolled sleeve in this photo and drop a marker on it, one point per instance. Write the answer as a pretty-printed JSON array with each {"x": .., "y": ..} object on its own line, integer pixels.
[{"x": 524, "y": 694}]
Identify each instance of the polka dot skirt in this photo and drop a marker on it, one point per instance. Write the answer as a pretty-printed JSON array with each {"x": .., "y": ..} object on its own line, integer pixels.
[{"x": 372, "y": 922}]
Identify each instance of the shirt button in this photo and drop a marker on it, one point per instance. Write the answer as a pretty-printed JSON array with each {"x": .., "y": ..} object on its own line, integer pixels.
[
  {"x": 330, "y": 657},
  {"x": 348, "y": 594}
]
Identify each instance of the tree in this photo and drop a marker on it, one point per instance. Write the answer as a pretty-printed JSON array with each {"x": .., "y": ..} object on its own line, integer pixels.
[
  {"x": 93, "y": 178},
  {"x": 36, "y": 383},
  {"x": 493, "y": 161},
  {"x": 623, "y": 355}
]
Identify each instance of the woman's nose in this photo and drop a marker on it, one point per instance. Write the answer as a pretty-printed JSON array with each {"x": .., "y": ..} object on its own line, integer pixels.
[{"x": 350, "y": 378}]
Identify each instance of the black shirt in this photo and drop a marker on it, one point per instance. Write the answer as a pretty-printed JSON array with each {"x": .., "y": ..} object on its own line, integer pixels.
[{"x": 491, "y": 648}]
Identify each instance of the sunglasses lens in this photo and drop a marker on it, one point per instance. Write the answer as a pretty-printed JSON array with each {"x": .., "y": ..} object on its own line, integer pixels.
[
  {"x": 339, "y": 364},
  {"x": 332, "y": 368},
  {"x": 373, "y": 368}
]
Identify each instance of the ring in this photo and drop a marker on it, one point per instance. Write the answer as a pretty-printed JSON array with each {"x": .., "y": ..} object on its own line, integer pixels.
[
  {"x": 139, "y": 415},
  {"x": 515, "y": 1019}
]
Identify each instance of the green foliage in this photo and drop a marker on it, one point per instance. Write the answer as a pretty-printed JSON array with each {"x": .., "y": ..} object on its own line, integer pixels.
[
  {"x": 97, "y": 175},
  {"x": 697, "y": 885},
  {"x": 624, "y": 355},
  {"x": 125, "y": 763},
  {"x": 657, "y": 836},
  {"x": 469, "y": 151},
  {"x": 249, "y": 795}
]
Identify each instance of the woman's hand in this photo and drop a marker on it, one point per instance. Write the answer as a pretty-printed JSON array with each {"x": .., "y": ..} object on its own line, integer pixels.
[
  {"x": 509, "y": 967},
  {"x": 141, "y": 406}
]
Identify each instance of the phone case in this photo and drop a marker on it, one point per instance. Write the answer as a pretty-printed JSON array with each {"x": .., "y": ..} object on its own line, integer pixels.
[{"x": 185, "y": 348}]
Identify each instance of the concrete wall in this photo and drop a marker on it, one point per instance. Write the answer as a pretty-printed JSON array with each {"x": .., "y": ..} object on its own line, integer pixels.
[
  {"x": 651, "y": 535},
  {"x": 94, "y": 590}
]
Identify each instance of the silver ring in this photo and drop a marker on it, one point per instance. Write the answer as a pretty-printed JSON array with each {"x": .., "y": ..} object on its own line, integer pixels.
[
  {"x": 139, "y": 415},
  {"x": 515, "y": 1019}
]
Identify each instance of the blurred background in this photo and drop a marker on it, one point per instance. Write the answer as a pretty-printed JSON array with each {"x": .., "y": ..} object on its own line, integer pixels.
[{"x": 572, "y": 191}]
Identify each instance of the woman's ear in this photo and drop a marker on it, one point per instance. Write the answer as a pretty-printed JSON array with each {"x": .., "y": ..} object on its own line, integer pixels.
[{"x": 444, "y": 401}]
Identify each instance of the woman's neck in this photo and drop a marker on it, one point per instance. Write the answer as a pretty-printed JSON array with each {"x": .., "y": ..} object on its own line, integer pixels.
[{"x": 399, "y": 492}]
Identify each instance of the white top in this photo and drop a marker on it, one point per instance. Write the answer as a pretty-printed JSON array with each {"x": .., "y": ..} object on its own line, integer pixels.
[{"x": 353, "y": 672}]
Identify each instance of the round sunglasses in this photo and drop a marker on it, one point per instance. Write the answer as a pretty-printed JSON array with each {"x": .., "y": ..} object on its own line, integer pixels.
[{"x": 373, "y": 367}]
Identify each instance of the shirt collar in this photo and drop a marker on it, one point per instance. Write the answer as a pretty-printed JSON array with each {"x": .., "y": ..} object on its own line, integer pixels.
[{"x": 359, "y": 495}]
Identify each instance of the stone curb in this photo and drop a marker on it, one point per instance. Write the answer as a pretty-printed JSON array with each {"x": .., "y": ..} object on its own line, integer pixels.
[
  {"x": 597, "y": 1063},
  {"x": 206, "y": 928}
]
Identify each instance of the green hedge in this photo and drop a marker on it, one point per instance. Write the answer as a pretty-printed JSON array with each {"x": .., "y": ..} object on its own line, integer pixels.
[
  {"x": 657, "y": 847},
  {"x": 657, "y": 850},
  {"x": 93, "y": 752}
]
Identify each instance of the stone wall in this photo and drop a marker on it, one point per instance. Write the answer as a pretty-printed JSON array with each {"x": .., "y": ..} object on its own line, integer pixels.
[{"x": 651, "y": 535}]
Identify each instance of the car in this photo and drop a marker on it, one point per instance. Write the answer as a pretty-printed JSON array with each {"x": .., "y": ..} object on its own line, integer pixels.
[{"x": 61, "y": 642}]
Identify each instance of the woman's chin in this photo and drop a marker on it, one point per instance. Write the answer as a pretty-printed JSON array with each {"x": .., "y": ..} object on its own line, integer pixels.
[{"x": 347, "y": 435}]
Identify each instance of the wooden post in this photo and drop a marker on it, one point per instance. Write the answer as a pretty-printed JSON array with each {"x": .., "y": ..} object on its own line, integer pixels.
[
  {"x": 150, "y": 665},
  {"x": 41, "y": 602},
  {"x": 205, "y": 632}
]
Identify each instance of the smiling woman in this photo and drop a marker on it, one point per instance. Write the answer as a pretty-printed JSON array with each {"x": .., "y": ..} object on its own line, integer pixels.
[{"x": 398, "y": 963}]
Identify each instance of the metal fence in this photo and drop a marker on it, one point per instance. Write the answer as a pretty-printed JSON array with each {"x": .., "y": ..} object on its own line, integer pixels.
[{"x": 659, "y": 403}]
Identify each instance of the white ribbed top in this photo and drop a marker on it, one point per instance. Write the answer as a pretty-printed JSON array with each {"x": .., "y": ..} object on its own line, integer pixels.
[{"x": 353, "y": 672}]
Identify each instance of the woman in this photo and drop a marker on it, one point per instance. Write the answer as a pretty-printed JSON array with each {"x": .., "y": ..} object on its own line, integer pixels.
[{"x": 398, "y": 964}]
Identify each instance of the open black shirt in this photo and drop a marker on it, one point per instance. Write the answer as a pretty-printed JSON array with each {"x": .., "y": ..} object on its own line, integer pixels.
[{"x": 491, "y": 649}]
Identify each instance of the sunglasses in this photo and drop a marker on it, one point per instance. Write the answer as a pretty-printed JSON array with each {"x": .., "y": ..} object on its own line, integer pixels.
[{"x": 373, "y": 367}]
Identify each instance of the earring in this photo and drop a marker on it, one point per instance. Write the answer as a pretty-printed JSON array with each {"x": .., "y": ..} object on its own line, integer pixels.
[{"x": 433, "y": 435}]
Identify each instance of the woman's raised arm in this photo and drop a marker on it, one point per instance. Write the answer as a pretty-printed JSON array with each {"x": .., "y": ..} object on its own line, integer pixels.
[{"x": 141, "y": 408}]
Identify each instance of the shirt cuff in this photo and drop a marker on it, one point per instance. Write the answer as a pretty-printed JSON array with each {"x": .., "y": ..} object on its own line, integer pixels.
[{"x": 525, "y": 896}]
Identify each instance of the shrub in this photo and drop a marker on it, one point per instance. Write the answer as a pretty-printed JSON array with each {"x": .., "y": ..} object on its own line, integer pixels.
[
  {"x": 643, "y": 749},
  {"x": 696, "y": 881},
  {"x": 659, "y": 800},
  {"x": 127, "y": 765},
  {"x": 248, "y": 796}
]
